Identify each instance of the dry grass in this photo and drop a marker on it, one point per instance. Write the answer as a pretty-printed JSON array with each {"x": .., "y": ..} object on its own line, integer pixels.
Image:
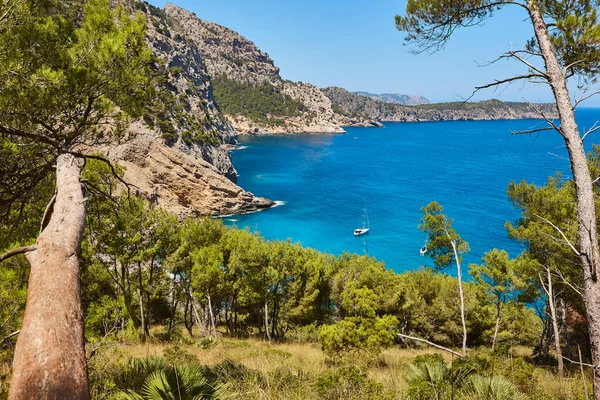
[
  {"x": 269, "y": 359},
  {"x": 291, "y": 370}
]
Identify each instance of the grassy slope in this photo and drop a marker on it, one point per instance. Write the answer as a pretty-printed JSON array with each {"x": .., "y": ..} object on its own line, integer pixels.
[{"x": 291, "y": 370}]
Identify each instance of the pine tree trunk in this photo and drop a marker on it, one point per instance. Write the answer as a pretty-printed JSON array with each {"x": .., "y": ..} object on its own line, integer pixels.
[
  {"x": 496, "y": 331},
  {"x": 195, "y": 310},
  {"x": 50, "y": 360},
  {"x": 267, "y": 318},
  {"x": 553, "y": 316},
  {"x": 143, "y": 319},
  {"x": 462, "y": 300},
  {"x": 212, "y": 316},
  {"x": 141, "y": 296},
  {"x": 586, "y": 213},
  {"x": 499, "y": 308}
]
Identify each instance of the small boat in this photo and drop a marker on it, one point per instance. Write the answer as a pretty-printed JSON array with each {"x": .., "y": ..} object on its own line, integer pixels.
[
  {"x": 365, "y": 228},
  {"x": 423, "y": 250}
]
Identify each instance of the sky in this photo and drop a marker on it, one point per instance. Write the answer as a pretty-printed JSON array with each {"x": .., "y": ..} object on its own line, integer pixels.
[{"x": 354, "y": 44}]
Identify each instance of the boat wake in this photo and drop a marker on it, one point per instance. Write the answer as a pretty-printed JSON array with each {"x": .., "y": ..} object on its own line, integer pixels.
[{"x": 278, "y": 203}]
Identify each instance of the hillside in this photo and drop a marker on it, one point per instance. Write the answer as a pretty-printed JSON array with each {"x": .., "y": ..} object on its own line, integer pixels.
[
  {"x": 353, "y": 108},
  {"x": 396, "y": 98},
  {"x": 238, "y": 66},
  {"x": 179, "y": 154}
]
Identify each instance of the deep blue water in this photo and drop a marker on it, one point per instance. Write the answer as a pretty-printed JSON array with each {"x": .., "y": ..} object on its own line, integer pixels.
[{"x": 465, "y": 165}]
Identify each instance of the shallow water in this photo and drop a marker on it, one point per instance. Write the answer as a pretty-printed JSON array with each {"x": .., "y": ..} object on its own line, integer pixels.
[{"x": 323, "y": 182}]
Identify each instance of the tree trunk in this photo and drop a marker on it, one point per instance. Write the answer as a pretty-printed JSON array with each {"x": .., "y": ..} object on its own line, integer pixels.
[
  {"x": 143, "y": 319},
  {"x": 496, "y": 331},
  {"x": 586, "y": 212},
  {"x": 267, "y": 319},
  {"x": 563, "y": 328},
  {"x": 198, "y": 320},
  {"x": 553, "y": 316},
  {"x": 462, "y": 300},
  {"x": 212, "y": 316},
  {"x": 50, "y": 360},
  {"x": 141, "y": 296},
  {"x": 189, "y": 325}
]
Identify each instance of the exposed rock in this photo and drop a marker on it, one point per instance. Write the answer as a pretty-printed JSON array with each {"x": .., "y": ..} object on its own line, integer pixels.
[{"x": 180, "y": 182}]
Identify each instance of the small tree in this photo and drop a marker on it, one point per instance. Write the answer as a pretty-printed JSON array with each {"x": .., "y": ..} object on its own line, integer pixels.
[
  {"x": 497, "y": 276},
  {"x": 445, "y": 246}
]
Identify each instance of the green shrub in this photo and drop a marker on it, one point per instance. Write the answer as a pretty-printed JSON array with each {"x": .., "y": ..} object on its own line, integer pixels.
[
  {"x": 366, "y": 336},
  {"x": 348, "y": 383},
  {"x": 185, "y": 382},
  {"x": 175, "y": 355},
  {"x": 133, "y": 373},
  {"x": 495, "y": 387}
]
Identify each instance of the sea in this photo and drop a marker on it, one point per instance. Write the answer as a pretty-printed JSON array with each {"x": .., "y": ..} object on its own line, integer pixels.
[{"x": 323, "y": 184}]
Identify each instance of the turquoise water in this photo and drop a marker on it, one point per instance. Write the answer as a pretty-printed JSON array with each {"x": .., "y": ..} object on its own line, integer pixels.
[{"x": 324, "y": 181}]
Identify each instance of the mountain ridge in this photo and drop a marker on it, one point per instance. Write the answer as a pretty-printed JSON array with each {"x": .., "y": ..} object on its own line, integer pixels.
[{"x": 396, "y": 98}]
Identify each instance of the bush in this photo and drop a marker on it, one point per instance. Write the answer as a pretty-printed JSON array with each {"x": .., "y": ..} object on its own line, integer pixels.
[
  {"x": 358, "y": 335},
  {"x": 185, "y": 382},
  {"x": 350, "y": 382},
  {"x": 175, "y": 355}
]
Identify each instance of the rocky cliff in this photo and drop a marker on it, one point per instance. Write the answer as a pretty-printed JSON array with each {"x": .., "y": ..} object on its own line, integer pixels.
[
  {"x": 241, "y": 65},
  {"x": 179, "y": 153},
  {"x": 352, "y": 109}
]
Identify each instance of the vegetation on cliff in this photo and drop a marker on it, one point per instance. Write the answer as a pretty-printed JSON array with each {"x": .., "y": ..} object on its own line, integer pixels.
[{"x": 262, "y": 103}]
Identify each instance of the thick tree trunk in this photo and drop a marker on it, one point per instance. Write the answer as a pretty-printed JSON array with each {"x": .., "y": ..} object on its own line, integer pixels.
[
  {"x": 462, "y": 300},
  {"x": 586, "y": 212},
  {"x": 50, "y": 360}
]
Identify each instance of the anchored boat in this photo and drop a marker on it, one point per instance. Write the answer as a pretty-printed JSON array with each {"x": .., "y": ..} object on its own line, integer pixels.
[{"x": 365, "y": 228}]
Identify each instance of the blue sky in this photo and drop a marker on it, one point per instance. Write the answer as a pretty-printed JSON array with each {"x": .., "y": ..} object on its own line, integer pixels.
[{"x": 354, "y": 44}]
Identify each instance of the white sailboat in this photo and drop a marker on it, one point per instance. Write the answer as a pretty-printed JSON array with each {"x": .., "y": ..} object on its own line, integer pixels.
[{"x": 365, "y": 227}]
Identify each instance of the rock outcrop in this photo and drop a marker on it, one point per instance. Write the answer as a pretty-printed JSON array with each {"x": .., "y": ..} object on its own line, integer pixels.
[{"x": 179, "y": 181}]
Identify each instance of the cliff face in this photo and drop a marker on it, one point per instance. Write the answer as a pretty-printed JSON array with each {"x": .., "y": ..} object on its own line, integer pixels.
[
  {"x": 179, "y": 153},
  {"x": 228, "y": 54},
  {"x": 352, "y": 109}
]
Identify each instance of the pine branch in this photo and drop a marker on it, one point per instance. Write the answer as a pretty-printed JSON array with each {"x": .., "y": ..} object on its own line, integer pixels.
[{"x": 17, "y": 251}]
